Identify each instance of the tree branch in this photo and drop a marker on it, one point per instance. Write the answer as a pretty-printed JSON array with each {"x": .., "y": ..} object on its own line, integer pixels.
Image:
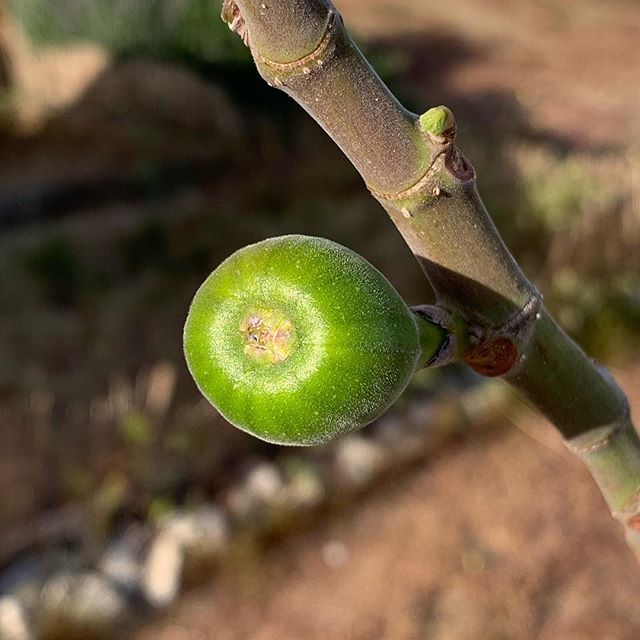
[{"x": 412, "y": 167}]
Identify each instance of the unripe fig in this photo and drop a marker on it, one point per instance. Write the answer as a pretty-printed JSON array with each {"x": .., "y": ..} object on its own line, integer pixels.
[{"x": 298, "y": 340}]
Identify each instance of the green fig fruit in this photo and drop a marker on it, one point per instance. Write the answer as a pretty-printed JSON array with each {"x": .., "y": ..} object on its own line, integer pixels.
[{"x": 298, "y": 340}]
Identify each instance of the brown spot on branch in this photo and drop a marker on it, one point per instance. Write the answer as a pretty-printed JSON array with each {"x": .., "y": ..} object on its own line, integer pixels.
[
  {"x": 634, "y": 522},
  {"x": 493, "y": 358}
]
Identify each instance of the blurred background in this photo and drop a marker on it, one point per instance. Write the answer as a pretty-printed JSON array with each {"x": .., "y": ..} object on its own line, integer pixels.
[{"x": 138, "y": 149}]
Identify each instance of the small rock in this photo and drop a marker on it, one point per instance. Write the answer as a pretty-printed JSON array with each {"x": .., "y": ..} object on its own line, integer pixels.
[
  {"x": 205, "y": 530},
  {"x": 457, "y": 611},
  {"x": 203, "y": 535},
  {"x": 304, "y": 488},
  {"x": 24, "y": 579},
  {"x": 14, "y": 623},
  {"x": 85, "y": 602},
  {"x": 359, "y": 460},
  {"x": 264, "y": 482},
  {"x": 422, "y": 415},
  {"x": 335, "y": 554},
  {"x": 258, "y": 496},
  {"x": 122, "y": 560},
  {"x": 483, "y": 401},
  {"x": 162, "y": 573},
  {"x": 399, "y": 439}
]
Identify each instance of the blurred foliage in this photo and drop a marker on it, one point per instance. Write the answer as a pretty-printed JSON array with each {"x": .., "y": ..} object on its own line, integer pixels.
[
  {"x": 568, "y": 230},
  {"x": 160, "y": 507},
  {"x": 173, "y": 29},
  {"x": 559, "y": 190},
  {"x": 56, "y": 266},
  {"x": 137, "y": 430},
  {"x": 147, "y": 247},
  {"x": 603, "y": 313}
]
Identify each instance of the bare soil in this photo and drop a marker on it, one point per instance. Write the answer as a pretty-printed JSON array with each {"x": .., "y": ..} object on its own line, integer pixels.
[
  {"x": 503, "y": 537},
  {"x": 572, "y": 66}
]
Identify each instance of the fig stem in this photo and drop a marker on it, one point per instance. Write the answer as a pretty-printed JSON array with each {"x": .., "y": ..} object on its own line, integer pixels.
[
  {"x": 450, "y": 328},
  {"x": 428, "y": 188},
  {"x": 434, "y": 342}
]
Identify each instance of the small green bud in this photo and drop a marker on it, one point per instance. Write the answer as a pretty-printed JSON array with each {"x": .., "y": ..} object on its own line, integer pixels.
[{"x": 438, "y": 121}]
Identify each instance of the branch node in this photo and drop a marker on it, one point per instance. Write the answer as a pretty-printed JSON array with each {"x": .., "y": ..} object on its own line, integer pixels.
[
  {"x": 449, "y": 157},
  {"x": 305, "y": 64},
  {"x": 606, "y": 435},
  {"x": 424, "y": 182},
  {"x": 521, "y": 324},
  {"x": 600, "y": 437}
]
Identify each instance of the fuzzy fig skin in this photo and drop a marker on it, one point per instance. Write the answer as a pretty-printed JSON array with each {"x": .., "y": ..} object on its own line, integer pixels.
[{"x": 298, "y": 340}]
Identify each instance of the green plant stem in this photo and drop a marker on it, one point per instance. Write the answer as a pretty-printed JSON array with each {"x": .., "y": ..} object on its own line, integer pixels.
[{"x": 428, "y": 188}]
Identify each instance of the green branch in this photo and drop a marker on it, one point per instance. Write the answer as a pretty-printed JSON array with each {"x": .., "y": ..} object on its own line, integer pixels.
[{"x": 412, "y": 167}]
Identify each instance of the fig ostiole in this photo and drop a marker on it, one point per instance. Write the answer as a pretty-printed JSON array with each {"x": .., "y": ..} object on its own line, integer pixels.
[{"x": 298, "y": 340}]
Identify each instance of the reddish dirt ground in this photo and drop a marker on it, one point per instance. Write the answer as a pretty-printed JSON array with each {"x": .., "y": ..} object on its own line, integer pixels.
[
  {"x": 572, "y": 66},
  {"x": 502, "y": 537}
]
